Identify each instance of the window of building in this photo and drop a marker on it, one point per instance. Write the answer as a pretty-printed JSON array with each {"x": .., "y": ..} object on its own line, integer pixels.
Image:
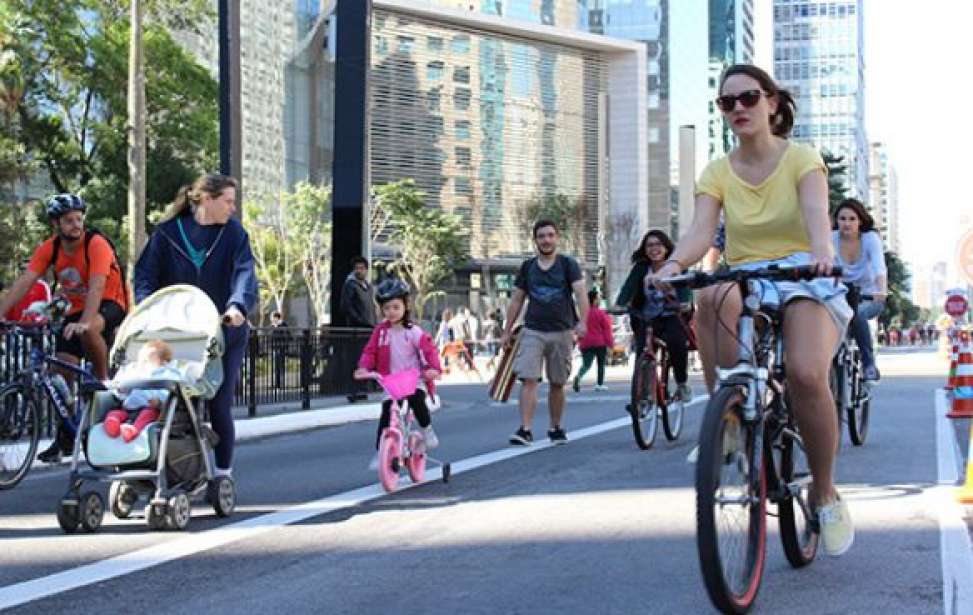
[
  {"x": 435, "y": 70},
  {"x": 462, "y": 98},
  {"x": 461, "y": 74},
  {"x": 381, "y": 45},
  {"x": 463, "y": 156},
  {"x": 460, "y": 43},
  {"x": 433, "y": 100},
  {"x": 434, "y": 43},
  {"x": 405, "y": 44},
  {"x": 462, "y": 128},
  {"x": 462, "y": 185}
]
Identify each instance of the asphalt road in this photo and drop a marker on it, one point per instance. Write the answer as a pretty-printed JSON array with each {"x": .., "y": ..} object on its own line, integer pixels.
[{"x": 595, "y": 526}]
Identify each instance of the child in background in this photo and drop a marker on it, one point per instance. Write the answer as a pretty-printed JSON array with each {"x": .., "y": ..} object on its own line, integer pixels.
[
  {"x": 398, "y": 344},
  {"x": 153, "y": 364}
]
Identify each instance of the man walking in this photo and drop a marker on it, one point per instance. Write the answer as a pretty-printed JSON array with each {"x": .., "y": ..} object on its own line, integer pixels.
[
  {"x": 549, "y": 280},
  {"x": 358, "y": 309}
]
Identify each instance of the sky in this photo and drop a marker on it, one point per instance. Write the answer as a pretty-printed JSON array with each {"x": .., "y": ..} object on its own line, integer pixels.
[{"x": 916, "y": 88}]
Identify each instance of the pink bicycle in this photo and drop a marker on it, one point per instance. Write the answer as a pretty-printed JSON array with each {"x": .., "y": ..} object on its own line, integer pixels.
[{"x": 402, "y": 443}]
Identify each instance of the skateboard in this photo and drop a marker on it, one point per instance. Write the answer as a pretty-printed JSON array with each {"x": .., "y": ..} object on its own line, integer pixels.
[{"x": 503, "y": 380}]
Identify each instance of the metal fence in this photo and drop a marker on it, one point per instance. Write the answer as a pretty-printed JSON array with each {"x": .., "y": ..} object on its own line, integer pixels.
[
  {"x": 288, "y": 365},
  {"x": 284, "y": 365}
]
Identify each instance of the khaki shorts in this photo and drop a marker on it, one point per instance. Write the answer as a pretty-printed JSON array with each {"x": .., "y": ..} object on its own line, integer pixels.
[{"x": 553, "y": 348}]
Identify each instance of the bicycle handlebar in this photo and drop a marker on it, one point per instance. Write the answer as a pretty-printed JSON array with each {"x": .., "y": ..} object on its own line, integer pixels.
[{"x": 698, "y": 279}]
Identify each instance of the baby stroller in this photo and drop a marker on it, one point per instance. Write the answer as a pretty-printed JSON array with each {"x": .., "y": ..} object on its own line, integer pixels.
[{"x": 170, "y": 462}]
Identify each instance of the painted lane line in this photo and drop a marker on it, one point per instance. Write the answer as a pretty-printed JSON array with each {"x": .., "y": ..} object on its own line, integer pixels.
[
  {"x": 954, "y": 538},
  {"x": 104, "y": 570}
]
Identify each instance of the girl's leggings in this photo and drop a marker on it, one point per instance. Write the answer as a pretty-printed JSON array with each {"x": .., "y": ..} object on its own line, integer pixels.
[
  {"x": 588, "y": 355},
  {"x": 417, "y": 401}
]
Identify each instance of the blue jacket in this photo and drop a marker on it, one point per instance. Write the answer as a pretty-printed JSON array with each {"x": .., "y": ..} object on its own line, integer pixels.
[{"x": 228, "y": 275}]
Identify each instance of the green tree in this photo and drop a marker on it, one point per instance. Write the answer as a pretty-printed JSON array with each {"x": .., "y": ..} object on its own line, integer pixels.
[
  {"x": 898, "y": 307},
  {"x": 429, "y": 242},
  {"x": 837, "y": 179},
  {"x": 72, "y": 110},
  {"x": 309, "y": 208},
  {"x": 567, "y": 212}
]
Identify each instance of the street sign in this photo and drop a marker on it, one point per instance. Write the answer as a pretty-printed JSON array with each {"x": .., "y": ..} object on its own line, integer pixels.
[
  {"x": 964, "y": 256},
  {"x": 956, "y": 305}
]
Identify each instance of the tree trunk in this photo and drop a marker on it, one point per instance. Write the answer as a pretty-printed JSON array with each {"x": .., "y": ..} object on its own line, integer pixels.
[{"x": 136, "y": 135}]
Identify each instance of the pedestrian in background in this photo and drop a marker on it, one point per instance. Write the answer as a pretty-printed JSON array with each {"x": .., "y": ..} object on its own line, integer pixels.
[
  {"x": 596, "y": 343},
  {"x": 359, "y": 310}
]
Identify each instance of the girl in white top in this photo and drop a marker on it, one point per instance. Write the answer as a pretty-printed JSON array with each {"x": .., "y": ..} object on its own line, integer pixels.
[{"x": 858, "y": 249}]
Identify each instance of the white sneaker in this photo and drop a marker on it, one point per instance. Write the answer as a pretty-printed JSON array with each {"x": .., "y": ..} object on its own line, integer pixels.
[
  {"x": 373, "y": 464},
  {"x": 601, "y": 387},
  {"x": 685, "y": 392},
  {"x": 837, "y": 531},
  {"x": 223, "y": 473},
  {"x": 432, "y": 441}
]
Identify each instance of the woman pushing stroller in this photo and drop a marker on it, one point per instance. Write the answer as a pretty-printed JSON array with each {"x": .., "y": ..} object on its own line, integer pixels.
[{"x": 398, "y": 344}]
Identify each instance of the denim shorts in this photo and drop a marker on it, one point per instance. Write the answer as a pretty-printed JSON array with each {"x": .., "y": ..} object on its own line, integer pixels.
[{"x": 826, "y": 291}]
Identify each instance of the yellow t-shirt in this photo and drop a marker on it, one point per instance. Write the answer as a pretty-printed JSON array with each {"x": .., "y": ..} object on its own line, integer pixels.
[{"x": 763, "y": 222}]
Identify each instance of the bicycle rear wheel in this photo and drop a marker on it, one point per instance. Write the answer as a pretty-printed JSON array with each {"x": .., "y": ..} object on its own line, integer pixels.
[
  {"x": 672, "y": 409},
  {"x": 798, "y": 533},
  {"x": 731, "y": 502},
  {"x": 836, "y": 382},
  {"x": 19, "y": 434},
  {"x": 642, "y": 407}
]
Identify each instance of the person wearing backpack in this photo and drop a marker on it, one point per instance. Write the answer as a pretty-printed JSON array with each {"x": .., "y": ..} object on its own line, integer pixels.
[
  {"x": 198, "y": 242},
  {"x": 549, "y": 280},
  {"x": 87, "y": 273}
]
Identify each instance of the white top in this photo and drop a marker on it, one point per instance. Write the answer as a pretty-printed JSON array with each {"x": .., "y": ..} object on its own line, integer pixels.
[{"x": 870, "y": 265}]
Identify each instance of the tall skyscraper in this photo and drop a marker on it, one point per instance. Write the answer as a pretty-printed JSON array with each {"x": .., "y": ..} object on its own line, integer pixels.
[
  {"x": 731, "y": 41},
  {"x": 819, "y": 57},
  {"x": 884, "y": 196}
]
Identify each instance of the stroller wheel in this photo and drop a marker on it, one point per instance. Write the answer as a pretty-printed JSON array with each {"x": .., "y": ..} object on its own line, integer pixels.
[
  {"x": 221, "y": 493},
  {"x": 179, "y": 511},
  {"x": 155, "y": 516},
  {"x": 122, "y": 497},
  {"x": 92, "y": 511},
  {"x": 68, "y": 517}
]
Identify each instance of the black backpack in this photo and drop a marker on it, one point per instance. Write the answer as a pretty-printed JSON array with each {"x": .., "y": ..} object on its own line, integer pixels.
[{"x": 90, "y": 233}]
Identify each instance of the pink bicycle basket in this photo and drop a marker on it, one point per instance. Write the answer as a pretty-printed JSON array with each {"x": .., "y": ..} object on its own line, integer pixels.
[{"x": 401, "y": 384}]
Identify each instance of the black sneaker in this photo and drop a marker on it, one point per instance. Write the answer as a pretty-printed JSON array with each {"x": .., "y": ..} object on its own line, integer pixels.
[
  {"x": 61, "y": 446},
  {"x": 576, "y": 385},
  {"x": 522, "y": 437},
  {"x": 557, "y": 436}
]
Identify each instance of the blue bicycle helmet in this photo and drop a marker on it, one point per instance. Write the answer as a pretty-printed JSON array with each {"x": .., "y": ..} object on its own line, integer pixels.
[
  {"x": 392, "y": 288},
  {"x": 60, "y": 204}
]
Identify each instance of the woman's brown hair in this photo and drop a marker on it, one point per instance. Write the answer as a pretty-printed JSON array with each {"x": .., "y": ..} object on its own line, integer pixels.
[
  {"x": 212, "y": 184},
  {"x": 865, "y": 220},
  {"x": 782, "y": 121}
]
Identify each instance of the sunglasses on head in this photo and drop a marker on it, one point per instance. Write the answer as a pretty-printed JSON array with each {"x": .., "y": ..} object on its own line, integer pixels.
[{"x": 747, "y": 98}]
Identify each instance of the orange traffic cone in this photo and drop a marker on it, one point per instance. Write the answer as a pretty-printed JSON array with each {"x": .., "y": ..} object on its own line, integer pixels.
[
  {"x": 962, "y": 406},
  {"x": 965, "y": 493}
]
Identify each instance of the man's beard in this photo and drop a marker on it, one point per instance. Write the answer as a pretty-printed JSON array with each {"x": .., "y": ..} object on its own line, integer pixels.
[{"x": 547, "y": 252}]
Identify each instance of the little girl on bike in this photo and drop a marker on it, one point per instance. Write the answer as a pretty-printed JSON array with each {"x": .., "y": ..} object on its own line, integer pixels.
[{"x": 398, "y": 344}]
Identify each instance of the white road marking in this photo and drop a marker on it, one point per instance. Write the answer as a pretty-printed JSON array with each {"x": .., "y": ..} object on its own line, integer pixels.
[
  {"x": 954, "y": 537},
  {"x": 191, "y": 544}
]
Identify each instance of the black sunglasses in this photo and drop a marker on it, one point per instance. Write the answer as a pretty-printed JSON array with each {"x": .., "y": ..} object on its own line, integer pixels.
[{"x": 747, "y": 98}]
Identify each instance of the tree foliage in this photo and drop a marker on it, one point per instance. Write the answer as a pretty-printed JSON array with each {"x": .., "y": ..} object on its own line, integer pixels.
[
  {"x": 567, "y": 213},
  {"x": 837, "y": 179},
  {"x": 429, "y": 241},
  {"x": 71, "y": 106},
  {"x": 899, "y": 308}
]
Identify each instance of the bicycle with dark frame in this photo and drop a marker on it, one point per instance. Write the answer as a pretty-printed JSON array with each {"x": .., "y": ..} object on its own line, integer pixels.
[{"x": 750, "y": 451}]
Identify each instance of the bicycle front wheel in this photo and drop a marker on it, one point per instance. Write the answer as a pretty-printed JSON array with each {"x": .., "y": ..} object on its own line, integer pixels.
[
  {"x": 643, "y": 408},
  {"x": 672, "y": 409},
  {"x": 19, "y": 434},
  {"x": 731, "y": 502}
]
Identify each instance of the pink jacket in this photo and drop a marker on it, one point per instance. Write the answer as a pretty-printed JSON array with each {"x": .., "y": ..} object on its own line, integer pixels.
[
  {"x": 377, "y": 353},
  {"x": 599, "y": 330}
]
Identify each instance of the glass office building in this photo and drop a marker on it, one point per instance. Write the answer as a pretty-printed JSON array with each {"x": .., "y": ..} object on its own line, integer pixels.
[{"x": 819, "y": 57}]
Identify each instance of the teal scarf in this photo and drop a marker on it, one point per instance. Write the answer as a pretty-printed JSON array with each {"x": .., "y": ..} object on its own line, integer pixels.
[{"x": 198, "y": 257}]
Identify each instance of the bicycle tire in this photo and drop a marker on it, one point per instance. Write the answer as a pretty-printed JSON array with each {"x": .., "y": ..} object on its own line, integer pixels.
[
  {"x": 416, "y": 464},
  {"x": 19, "y": 434},
  {"x": 389, "y": 452},
  {"x": 719, "y": 449},
  {"x": 836, "y": 381},
  {"x": 642, "y": 406},
  {"x": 673, "y": 409},
  {"x": 858, "y": 415},
  {"x": 798, "y": 534}
]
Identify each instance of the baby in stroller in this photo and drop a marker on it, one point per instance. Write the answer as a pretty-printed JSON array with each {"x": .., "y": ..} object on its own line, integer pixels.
[{"x": 154, "y": 363}]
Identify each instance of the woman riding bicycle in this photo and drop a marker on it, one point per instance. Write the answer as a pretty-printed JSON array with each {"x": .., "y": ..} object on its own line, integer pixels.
[
  {"x": 858, "y": 249},
  {"x": 658, "y": 309},
  {"x": 774, "y": 197}
]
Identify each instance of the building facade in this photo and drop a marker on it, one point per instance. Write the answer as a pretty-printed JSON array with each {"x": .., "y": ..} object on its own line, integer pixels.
[
  {"x": 883, "y": 193},
  {"x": 819, "y": 58},
  {"x": 731, "y": 41}
]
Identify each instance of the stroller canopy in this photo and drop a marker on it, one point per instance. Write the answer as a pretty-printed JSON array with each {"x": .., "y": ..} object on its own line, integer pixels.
[{"x": 184, "y": 317}]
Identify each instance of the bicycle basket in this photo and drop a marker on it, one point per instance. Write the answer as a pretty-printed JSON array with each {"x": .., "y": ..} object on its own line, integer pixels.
[{"x": 401, "y": 384}]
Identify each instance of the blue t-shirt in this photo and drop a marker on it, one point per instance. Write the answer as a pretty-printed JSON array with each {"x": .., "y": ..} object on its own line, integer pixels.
[{"x": 550, "y": 295}]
